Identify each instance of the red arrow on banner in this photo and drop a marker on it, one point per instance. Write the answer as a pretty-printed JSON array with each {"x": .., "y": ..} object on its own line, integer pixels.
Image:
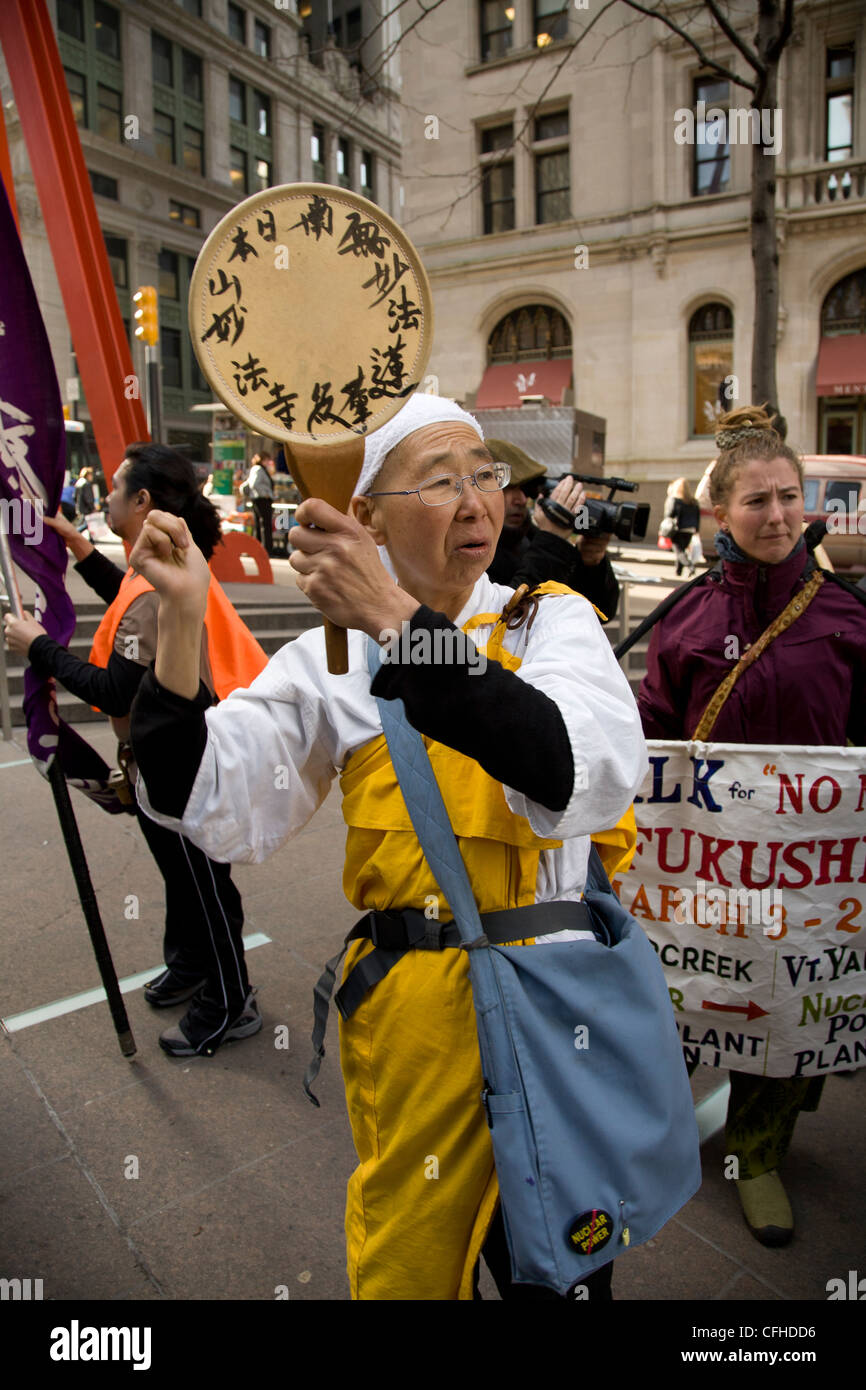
[{"x": 751, "y": 1012}]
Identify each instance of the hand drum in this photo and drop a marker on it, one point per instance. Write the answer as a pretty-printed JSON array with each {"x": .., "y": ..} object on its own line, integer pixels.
[{"x": 311, "y": 317}]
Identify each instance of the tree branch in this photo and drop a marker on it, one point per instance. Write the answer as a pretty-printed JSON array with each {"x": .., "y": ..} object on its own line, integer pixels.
[
  {"x": 751, "y": 57},
  {"x": 693, "y": 44},
  {"x": 775, "y": 49}
]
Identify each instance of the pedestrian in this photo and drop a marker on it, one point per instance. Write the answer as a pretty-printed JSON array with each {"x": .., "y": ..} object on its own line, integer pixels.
[
  {"x": 259, "y": 489},
  {"x": 811, "y": 690},
  {"x": 67, "y": 499},
  {"x": 203, "y": 945},
  {"x": 683, "y": 510},
  {"x": 532, "y": 549},
  {"x": 84, "y": 498},
  {"x": 414, "y": 549}
]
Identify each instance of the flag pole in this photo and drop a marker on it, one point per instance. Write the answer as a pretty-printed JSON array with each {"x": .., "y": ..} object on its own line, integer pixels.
[{"x": 75, "y": 849}]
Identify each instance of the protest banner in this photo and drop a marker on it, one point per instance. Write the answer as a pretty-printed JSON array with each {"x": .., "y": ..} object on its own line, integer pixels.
[{"x": 749, "y": 879}]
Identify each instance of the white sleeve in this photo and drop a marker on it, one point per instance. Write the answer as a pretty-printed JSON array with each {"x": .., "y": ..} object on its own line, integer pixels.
[
  {"x": 272, "y": 752},
  {"x": 568, "y": 657}
]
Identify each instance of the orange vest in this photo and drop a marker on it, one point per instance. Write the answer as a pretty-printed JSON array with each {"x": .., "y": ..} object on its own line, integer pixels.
[{"x": 235, "y": 656}]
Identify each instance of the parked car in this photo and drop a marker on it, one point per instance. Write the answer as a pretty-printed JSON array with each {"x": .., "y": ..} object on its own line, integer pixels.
[{"x": 834, "y": 488}]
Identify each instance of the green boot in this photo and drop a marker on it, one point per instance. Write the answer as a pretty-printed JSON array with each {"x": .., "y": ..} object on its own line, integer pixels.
[{"x": 766, "y": 1208}]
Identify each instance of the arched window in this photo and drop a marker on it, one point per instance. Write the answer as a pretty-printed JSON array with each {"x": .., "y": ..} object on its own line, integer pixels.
[
  {"x": 526, "y": 334},
  {"x": 711, "y": 365},
  {"x": 844, "y": 309}
]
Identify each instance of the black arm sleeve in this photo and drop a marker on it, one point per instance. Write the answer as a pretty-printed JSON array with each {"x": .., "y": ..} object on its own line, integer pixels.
[
  {"x": 545, "y": 557},
  {"x": 598, "y": 583},
  {"x": 514, "y": 731},
  {"x": 111, "y": 689},
  {"x": 168, "y": 735},
  {"x": 101, "y": 574}
]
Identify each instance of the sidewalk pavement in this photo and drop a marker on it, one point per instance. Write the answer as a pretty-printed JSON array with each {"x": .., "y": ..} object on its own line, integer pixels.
[{"x": 173, "y": 1179}]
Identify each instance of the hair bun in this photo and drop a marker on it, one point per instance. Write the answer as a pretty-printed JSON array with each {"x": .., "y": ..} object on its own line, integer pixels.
[{"x": 727, "y": 438}]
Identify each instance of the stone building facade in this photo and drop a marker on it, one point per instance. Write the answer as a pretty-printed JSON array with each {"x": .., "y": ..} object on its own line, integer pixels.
[
  {"x": 565, "y": 219},
  {"x": 184, "y": 108}
]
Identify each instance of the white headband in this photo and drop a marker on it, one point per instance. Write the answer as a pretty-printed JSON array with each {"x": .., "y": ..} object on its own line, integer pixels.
[{"x": 420, "y": 410}]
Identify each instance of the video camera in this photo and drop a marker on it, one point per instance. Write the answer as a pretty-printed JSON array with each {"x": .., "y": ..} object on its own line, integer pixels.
[{"x": 602, "y": 516}]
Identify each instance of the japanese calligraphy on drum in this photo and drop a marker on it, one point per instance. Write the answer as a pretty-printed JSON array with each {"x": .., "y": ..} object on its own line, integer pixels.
[{"x": 310, "y": 313}]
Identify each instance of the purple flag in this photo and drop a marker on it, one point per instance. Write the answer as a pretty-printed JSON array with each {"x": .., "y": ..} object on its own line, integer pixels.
[{"x": 32, "y": 465}]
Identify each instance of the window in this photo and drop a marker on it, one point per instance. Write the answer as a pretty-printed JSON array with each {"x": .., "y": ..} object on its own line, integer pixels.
[
  {"x": 552, "y": 126},
  {"x": 844, "y": 309},
  {"x": 192, "y": 7},
  {"x": 263, "y": 175},
  {"x": 810, "y": 493},
  {"x": 238, "y": 169},
  {"x": 262, "y": 112},
  {"x": 711, "y": 171},
  {"x": 160, "y": 49},
  {"x": 168, "y": 275},
  {"x": 170, "y": 357},
  {"x": 163, "y": 136},
  {"x": 711, "y": 352},
  {"x": 237, "y": 101},
  {"x": 181, "y": 212},
  {"x": 70, "y": 18},
  {"x": 840, "y": 104},
  {"x": 344, "y": 165},
  {"x": 102, "y": 185},
  {"x": 261, "y": 39},
  {"x": 107, "y": 112},
  {"x": 77, "y": 86},
  {"x": 116, "y": 248},
  {"x": 531, "y": 332},
  {"x": 180, "y": 108},
  {"x": 497, "y": 187},
  {"x": 197, "y": 381},
  {"x": 366, "y": 173},
  {"x": 192, "y": 78},
  {"x": 237, "y": 24},
  {"x": 346, "y": 30},
  {"x": 317, "y": 151},
  {"x": 193, "y": 149},
  {"x": 551, "y": 21},
  {"x": 552, "y": 176},
  {"x": 106, "y": 22},
  {"x": 497, "y": 28}
]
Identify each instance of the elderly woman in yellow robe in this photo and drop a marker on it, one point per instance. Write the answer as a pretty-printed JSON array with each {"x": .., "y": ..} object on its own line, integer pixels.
[{"x": 535, "y": 740}]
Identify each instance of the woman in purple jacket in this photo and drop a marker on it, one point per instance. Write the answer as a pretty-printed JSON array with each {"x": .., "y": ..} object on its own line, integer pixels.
[{"x": 807, "y": 687}]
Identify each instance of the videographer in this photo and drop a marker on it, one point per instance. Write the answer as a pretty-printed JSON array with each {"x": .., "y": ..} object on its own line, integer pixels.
[{"x": 534, "y": 548}]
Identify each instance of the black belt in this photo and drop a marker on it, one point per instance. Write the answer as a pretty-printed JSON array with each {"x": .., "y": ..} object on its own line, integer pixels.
[{"x": 394, "y": 933}]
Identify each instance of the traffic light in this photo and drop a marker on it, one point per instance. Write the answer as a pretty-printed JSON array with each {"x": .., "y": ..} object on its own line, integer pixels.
[{"x": 147, "y": 314}]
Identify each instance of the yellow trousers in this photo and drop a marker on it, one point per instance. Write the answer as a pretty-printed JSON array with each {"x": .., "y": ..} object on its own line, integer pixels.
[{"x": 424, "y": 1193}]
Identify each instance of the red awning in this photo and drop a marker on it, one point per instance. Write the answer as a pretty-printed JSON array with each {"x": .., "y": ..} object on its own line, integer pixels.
[
  {"x": 842, "y": 365},
  {"x": 503, "y": 384}
]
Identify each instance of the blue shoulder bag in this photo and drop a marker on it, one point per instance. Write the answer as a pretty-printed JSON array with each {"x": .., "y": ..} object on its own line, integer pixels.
[{"x": 585, "y": 1089}]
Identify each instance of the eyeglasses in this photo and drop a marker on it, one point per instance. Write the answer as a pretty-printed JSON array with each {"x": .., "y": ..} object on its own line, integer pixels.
[{"x": 490, "y": 477}]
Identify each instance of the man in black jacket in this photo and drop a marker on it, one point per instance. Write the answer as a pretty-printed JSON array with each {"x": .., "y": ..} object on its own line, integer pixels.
[{"x": 533, "y": 549}]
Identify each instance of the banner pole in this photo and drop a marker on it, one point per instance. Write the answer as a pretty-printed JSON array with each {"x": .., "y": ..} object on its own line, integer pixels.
[{"x": 75, "y": 849}]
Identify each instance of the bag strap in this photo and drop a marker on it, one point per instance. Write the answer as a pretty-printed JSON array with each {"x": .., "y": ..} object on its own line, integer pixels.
[
  {"x": 427, "y": 811},
  {"x": 794, "y": 610}
]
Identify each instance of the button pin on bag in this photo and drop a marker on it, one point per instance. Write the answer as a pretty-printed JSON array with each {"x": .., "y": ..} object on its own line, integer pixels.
[{"x": 590, "y": 1231}]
